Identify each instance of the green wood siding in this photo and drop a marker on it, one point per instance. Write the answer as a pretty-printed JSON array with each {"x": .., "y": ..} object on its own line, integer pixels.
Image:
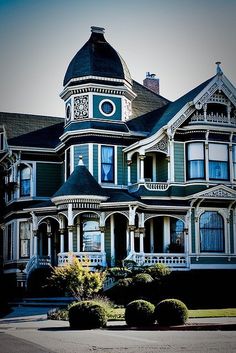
[
  {"x": 49, "y": 177},
  {"x": 81, "y": 151},
  {"x": 95, "y": 161},
  {"x": 121, "y": 167},
  {"x": 162, "y": 169},
  {"x": 179, "y": 162}
]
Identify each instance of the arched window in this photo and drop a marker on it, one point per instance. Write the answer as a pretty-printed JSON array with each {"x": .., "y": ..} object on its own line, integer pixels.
[
  {"x": 25, "y": 180},
  {"x": 91, "y": 235},
  {"x": 176, "y": 235},
  {"x": 211, "y": 232}
]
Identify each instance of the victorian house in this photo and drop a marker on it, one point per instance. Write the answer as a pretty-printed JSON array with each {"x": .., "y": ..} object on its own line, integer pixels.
[{"x": 125, "y": 175}]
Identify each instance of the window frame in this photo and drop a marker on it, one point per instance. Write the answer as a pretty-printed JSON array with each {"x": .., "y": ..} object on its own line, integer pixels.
[
  {"x": 23, "y": 167},
  {"x": 226, "y": 163},
  {"x": 203, "y": 177},
  {"x": 112, "y": 164},
  {"x": 212, "y": 229}
]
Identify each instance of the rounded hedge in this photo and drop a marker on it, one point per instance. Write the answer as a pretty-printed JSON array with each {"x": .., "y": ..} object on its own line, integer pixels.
[
  {"x": 171, "y": 312},
  {"x": 87, "y": 315},
  {"x": 142, "y": 278},
  {"x": 139, "y": 313}
]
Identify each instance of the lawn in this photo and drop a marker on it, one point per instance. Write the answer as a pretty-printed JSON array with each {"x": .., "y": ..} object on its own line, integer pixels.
[{"x": 118, "y": 313}]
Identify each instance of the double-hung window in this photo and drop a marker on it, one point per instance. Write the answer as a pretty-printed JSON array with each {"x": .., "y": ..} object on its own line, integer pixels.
[
  {"x": 25, "y": 180},
  {"x": 107, "y": 164},
  {"x": 211, "y": 232},
  {"x": 218, "y": 161},
  {"x": 195, "y": 160},
  {"x": 24, "y": 233}
]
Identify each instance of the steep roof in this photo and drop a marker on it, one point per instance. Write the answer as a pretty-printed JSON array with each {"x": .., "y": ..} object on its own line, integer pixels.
[
  {"x": 97, "y": 58},
  {"x": 80, "y": 183},
  {"x": 17, "y": 124}
]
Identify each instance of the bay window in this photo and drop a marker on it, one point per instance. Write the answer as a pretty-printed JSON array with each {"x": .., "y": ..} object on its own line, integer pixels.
[
  {"x": 218, "y": 161},
  {"x": 195, "y": 160},
  {"x": 24, "y": 235},
  {"x": 107, "y": 164},
  {"x": 211, "y": 232}
]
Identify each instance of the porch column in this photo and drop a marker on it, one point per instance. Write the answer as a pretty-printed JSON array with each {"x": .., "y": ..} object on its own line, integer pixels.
[
  {"x": 49, "y": 235},
  {"x": 141, "y": 178},
  {"x": 78, "y": 233},
  {"x": 151, "y": 236},
  {"x": 62, "y": 231},
  {"x": 141, "y": 238},
  {"x": 166, "y": 231},
  {"x": 70, "y": 238},
  {"x": 112, "y": 225},
  {"x": 102, "y": 230},
  {"x": 129, "y": 162},
  {"x": 131, "y": 228},
  {"x": 35, "y": 242},
  {"x": 70, "y": 228}
]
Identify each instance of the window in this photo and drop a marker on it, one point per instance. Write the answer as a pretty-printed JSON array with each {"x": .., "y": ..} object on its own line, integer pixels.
[
  {"x": 24, "y": 233},
  {"x": 25, "y": 180},
  {"x": 91, "y": 234},
  {"x": 176, "y": 235},
  {"x": 67, "y": 162},
  {"x": 10, "y": 241},
  {"x": 211, "y": 232},
  {"x": 107, "y": 164},
  {"x": 195, "y": 160},
  {"x": 1, "y": 141},
  {"x": 218, "y": 161},
  {"x": 234, "y": 161}
]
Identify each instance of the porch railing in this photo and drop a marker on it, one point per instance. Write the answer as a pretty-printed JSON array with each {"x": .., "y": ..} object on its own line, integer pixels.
[
  {"x": 171, "y": 260},
  {"x": 150, "y": 185},
  {"x": 37, "y": 261},
  {"x": 94, "y": 258}
]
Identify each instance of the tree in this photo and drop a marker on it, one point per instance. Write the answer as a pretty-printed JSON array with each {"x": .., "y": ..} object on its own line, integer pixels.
[{"x": 76, "y": 279}]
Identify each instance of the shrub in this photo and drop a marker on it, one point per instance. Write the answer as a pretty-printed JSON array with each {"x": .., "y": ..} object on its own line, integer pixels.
[
  {"x": 171, "y": 312},
  {"x": 119, "y": 272},
  {"x": 139, "y": 313},
  {"x": 87, "y": 315},
  {"x": 125, "y": 282},
  {"x": 142, "y": 278},
  {"x": 159, "y": 271}
]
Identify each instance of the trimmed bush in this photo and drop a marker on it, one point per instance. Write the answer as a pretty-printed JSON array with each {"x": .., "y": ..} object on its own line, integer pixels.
[
  {"x": 87, "y": 315},
  {"x": 142, "y": 278},
  {"x": 139, "y": 313},
  {"x": 171, "y": 312}
]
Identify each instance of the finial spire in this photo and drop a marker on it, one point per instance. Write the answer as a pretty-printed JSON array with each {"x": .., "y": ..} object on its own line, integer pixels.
[
  {"x": 81, "y": 160},
  {"x": 95, "y": 29},
  {"x": 218, "y": 68}
]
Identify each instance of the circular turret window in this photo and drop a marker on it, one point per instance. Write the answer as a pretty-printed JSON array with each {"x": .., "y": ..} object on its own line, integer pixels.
[{"x": 107, "y": 107}]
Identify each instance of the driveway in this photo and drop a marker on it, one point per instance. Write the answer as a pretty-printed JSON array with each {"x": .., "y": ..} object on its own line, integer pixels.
[{"x": 27, "y": 330}]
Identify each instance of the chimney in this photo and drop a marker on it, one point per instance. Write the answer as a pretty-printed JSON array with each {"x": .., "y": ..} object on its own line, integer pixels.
[{"x": 151, "y": 82}]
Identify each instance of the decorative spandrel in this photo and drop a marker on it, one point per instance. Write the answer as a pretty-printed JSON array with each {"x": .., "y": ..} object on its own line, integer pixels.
[{"x": 81, "y": 107}]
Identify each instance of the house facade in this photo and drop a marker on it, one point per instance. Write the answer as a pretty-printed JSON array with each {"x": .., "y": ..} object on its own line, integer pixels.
[{"x": 125, "y": 175}]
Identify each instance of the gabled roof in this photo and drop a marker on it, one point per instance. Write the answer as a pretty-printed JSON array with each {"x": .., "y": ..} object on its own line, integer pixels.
[
  {"x": 47, "y": 137},
  {"x": 80, "y": 183}
]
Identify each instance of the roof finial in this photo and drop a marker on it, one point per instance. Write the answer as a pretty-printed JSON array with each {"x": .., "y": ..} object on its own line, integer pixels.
[
  {"x": 95, "y": 29},
  {"x": 218, "y": 68},
  {"x": 81, "y": 160}
]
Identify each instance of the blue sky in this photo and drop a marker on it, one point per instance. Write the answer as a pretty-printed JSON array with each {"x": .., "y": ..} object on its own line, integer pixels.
[{"x": 179, "y": 40}]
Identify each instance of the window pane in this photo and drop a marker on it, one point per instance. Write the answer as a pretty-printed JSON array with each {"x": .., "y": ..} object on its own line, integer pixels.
[
  {"x": 211, "y": 232},
  {"x": 24, "y": 239},
  {"x": 107, "y": 165},
  {"x": 196, "y": 169},
  {"x": 91, "y": 236},
  {"x": 218, "y": 170},
  {"x": 25, "y": 178},
  {"x": 195, "y": 151},
  {"x": 218, "y": 152}
]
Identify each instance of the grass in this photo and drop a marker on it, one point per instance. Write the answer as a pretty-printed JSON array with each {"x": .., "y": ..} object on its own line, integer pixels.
[{"x": 117, "y": 314}]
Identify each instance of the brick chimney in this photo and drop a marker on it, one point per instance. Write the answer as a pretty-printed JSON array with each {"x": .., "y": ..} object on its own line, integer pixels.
[{"x": 151, "y": 82}]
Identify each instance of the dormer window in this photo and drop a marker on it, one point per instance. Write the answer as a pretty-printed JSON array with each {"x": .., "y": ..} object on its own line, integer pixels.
[
  {"x": 25, "y": 180},
  {"x": 107, "y": 164}
]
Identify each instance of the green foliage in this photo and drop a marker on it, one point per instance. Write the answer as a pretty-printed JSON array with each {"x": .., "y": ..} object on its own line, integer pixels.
[
  {"x": 87, "y": 315},
  {"x": 139, "y": 313},
  {"x": 119, "y": 272},
  {"x": 158, "y": 271},
  {"x": 171, "y": 312},
  {"x": 76, "y": 279},
  {"x": 124, "y": 282},
  {"x": 57, "y": 314},
  {"x": 142, "y": 278}
]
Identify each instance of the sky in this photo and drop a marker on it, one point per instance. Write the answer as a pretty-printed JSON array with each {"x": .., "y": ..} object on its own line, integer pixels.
[{"x": 178, "y": 40}]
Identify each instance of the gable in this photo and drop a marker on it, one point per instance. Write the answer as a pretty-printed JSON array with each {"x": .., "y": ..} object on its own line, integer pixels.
[{"x": 216, "y": 192}]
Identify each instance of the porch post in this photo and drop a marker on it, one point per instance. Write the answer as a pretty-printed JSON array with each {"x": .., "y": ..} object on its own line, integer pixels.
[
  {"x": 141, "y": 238},
  {"x": 102, "y": 230},
  {"x": 166, "y": 231},
  {"x": 132, "y": 238},
  {"x": 49, "y": 235},
  {"x": 151, "y": 236},
  {"x": 62, "y": 230},
  {"x": 70, "y": 228},
  {"x": 141, "y": 158},
  {"x": 35, "y": 242},
  {"x": 129, "y": 162},
  {"x": 112, "y": 225},
  {"x": 78, "y": 234}
]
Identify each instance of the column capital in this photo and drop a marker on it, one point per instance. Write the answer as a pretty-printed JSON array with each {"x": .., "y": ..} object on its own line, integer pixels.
[
  {"x": 131, "y": 227},
  {"x": 71, "y": 228},
  {"x": 102, "y": 229},
  {"x": 62, "y": 230}
]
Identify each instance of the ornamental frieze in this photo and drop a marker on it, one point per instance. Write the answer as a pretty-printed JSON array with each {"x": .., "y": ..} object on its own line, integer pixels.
[
  {"x": 161, "y": 146},
  {"x": 81, "y": 107},
  {"x": 219, "y": 193}
]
